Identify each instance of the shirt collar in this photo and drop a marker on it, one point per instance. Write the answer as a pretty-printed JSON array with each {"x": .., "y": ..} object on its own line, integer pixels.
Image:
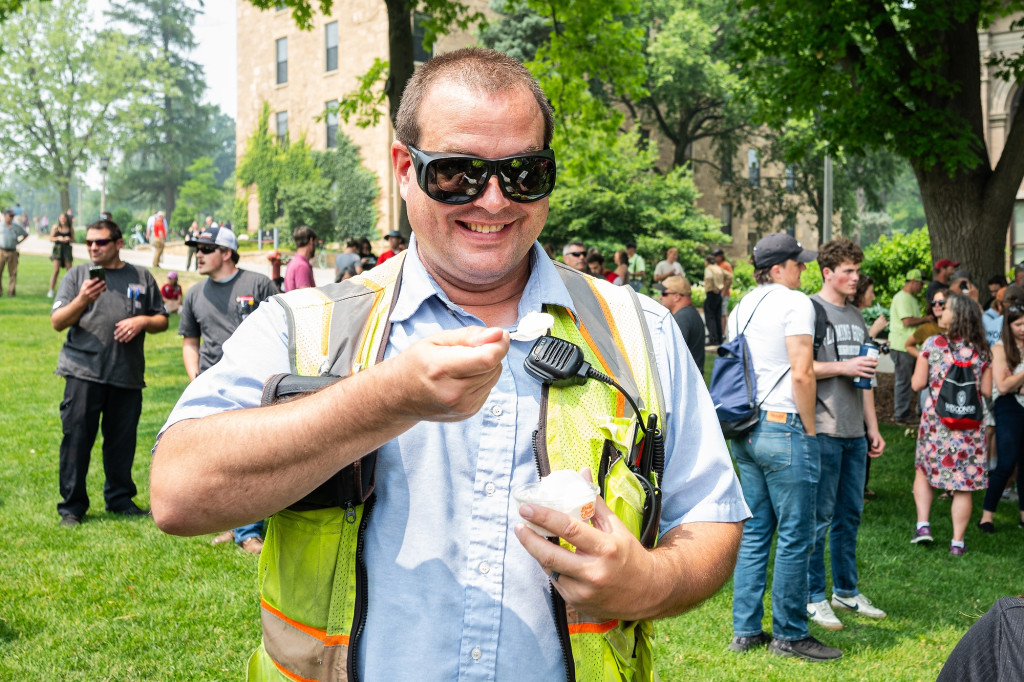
[{"x": 543, "y": 287}]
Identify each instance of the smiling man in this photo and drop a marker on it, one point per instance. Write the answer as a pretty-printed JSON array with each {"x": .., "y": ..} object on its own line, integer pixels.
[{"x": 434, "y": 387}]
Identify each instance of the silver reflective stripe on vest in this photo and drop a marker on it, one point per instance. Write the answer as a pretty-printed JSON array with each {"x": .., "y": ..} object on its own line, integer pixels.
[
  {"x": 593, "y": 317},
  {"x": 302, "y": 654}
]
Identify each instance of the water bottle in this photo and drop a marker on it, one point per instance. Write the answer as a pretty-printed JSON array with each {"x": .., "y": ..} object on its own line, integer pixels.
[{"x": 870, "y": 349}]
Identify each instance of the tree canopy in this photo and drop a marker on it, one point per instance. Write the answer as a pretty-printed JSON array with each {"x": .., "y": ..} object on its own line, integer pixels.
[
  {"x": 66, "y": 92},
  {"x": 902, "y": 76}
]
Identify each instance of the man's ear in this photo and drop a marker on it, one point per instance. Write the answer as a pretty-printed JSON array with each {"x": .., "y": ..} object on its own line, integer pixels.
[{"x": 401, "y": 162}]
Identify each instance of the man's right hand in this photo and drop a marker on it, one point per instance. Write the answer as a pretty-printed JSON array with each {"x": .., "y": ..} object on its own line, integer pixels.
[
  {"x": 91, "y": 289},
  {"x": 448, "y": 376},
  {"x": 861, "y": 366}
]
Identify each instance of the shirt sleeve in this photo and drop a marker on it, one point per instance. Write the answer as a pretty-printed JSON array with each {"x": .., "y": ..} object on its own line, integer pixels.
[
  {"x": 187, "y": 324},
  {"x": 904, "y": 306},
  {"x": 154, "y": 301},
  {"x": 305, "y": 278},
  {"x": 798, "y": 315},
  {"x": 699, "y": 482},
  {"x": 255, "y": 352}
]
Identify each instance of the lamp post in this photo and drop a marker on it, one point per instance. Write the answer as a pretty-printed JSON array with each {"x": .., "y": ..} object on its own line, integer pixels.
[
  {"x": 826, "y": 219},
  {"x": 104, "y": 164}
]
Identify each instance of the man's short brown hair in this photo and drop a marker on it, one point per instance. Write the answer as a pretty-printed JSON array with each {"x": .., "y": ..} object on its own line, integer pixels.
[
  {"x": 838, "y": 251},
  {"x": 109, "y": 225},
  {"x": 303, "y": 235},
  {"x": 488, "y": 71}
]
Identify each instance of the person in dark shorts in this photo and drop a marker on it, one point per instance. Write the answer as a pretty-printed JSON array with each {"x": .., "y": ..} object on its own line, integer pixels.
[{"x": 62, "y": 235}]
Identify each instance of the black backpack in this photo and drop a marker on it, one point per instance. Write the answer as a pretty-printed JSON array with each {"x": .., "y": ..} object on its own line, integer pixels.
[{"x": 958, "y": 403}]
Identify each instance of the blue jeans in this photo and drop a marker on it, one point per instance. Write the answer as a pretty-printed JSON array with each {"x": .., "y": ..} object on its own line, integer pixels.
[
  {"x": 840, "y": 503},
  {"x": 252, "y": 530},
  {"x": 779, "y": 465}
]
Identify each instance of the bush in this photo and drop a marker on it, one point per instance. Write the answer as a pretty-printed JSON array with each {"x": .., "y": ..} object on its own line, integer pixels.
[
  {"x": 889, "y": 260},
  {"x": 124, "y": 219}
]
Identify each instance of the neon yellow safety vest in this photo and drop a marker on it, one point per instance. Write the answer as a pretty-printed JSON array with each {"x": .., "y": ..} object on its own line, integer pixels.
[{"x": 311, "y": 575}]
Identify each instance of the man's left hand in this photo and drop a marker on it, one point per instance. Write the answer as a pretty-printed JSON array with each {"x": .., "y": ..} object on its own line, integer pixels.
[
  {"x": 128, "y": 328},
  {"x": 876, "y": 444},
  {"x": 610, "y": 572}
]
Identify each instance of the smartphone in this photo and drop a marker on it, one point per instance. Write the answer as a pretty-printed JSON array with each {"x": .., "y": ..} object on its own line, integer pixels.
[
  {"x": 96, "y": 272},
  {"x": 964, "y": 286}
]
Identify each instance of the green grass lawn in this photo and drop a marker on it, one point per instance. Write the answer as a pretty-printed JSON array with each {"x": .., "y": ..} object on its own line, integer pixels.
[{"x": 118, "y": 600}]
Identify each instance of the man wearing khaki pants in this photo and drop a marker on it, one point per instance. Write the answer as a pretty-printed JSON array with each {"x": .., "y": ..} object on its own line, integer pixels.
[
  {"x": 11, "y": 234},
  {"x": 157, "y": 228}
]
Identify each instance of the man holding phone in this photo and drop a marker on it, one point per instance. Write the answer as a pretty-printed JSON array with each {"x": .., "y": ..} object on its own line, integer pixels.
[{"x": 107, "y": 306}]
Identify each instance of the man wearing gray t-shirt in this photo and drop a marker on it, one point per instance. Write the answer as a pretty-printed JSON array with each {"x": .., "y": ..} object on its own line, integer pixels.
[
  {"x": 209, "y": 316},
  {"x": 847, "y": 429},
  {"x": 108, "y": 307}
]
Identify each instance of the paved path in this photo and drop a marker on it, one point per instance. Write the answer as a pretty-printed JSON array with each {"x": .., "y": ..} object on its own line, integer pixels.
[{"x": 173, "y": 257}]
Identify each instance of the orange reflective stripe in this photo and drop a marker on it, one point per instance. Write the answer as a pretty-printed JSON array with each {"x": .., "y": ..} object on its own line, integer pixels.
[
  {"x": 592, "y": 628},
  {"x": 329, "y": 640},
  {"x": 290, "y": 675}
]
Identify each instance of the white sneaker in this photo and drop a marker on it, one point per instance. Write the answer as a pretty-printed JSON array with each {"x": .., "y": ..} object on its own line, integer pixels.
[
  {"x": 859, "y": 604},
  {"x": 49, "y": 294},
  {"x": 821, "y": 613}
]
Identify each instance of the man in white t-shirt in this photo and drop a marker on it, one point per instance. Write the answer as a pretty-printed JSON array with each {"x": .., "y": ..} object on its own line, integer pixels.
[
  {"x": 779, "y": 462},
  {"x": 670, "y": 267}
]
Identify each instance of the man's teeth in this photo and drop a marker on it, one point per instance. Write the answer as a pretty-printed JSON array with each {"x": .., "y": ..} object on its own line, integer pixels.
[{"x": 477, "y": 227}]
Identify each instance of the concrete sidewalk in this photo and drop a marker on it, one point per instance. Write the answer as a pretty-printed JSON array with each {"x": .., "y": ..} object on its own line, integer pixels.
[{"x": 173, "y": 257}]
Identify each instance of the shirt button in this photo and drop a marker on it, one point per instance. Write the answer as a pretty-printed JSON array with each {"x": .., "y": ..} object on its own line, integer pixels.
[
  {"x": 485, "y": 567},
  {"x": 489, "y": 488},
  {"x": 496, "y": 411},
  {"x": 475, "y": 653}
]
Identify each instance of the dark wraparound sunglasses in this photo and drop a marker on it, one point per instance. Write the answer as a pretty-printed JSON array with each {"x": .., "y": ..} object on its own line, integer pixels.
[
  {"x": 939, "y": 302},
  {"x": 207, "y": 249},
  {"x": 459, "y": 179},
  {"x": 98, "y": 242}
]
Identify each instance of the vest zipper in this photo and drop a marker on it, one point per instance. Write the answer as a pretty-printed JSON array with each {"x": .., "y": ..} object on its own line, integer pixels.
[
  {"x": 540, "y": 459},
  {"x": 562, "y": 628},
  {"x": 362, "y": 593}
]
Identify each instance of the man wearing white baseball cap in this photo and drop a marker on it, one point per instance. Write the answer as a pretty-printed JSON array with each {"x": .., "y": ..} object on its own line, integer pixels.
[{"x": 211, "y": 313}]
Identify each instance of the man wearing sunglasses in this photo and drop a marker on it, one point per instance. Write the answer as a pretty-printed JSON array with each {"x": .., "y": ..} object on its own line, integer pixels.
[
  {"x": 210, "y": 314},
  {"x": 574, "y": 254},
  {"x": 108, "y": 307},
  {"x": 452, "y": 414}
]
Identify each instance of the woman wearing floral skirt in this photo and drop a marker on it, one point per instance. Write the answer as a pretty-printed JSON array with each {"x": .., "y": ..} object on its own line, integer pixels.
[{"x": 950, "y": 459}]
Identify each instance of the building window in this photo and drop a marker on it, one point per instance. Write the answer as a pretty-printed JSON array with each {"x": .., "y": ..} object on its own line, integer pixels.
[
  {"x": 727, "y": 219},
  {"x": 753, "y": 168},
  {"x": 282, "y": 127},
  {"x": 331, "y": 118},
  {"x": 420, "y": 54},
  {"x": 331, "y": 43},
  {"x": 282, "y": 60},
  {"x": 790, "y": 179}
]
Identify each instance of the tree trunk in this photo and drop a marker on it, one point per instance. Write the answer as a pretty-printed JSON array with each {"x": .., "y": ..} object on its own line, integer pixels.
[
  {"x": 402, "y": 65},
  {"x": 65, "y": 199},
  {"x": 962, "y": 225}
]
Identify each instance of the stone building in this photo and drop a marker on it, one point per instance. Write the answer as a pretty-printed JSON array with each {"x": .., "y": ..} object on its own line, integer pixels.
[
  {"x": 999, "y": 100},
  {"x": 303, "y": 73}
]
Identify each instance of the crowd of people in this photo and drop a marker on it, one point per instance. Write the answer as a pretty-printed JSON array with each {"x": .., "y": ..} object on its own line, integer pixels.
[
  {"x": 804, "y": 466},
  {"x": 436, "y": 384}
]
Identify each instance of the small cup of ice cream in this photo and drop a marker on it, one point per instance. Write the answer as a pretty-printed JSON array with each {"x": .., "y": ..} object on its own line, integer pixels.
[{"x": 565, "y": 491}]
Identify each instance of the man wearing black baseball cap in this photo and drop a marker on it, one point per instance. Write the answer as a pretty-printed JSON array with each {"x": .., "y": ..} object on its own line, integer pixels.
[{"x": 778, "y": 322}]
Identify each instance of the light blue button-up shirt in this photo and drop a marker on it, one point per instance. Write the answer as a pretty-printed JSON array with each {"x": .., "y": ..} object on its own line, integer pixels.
[{"x": 452, "y": 592}]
